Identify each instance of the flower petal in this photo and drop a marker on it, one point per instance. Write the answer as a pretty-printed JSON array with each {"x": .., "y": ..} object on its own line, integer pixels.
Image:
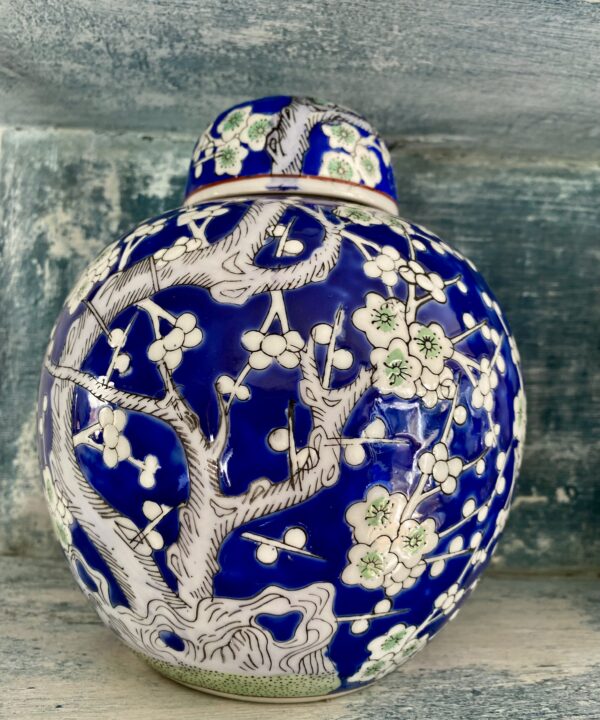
[
  {"x": 173, "y": 359},
  {"x": 426, "y": 463},
  {"x": 186, "y": 321},
  {"x": 252, "y": 339},
  {"x": 193, "y": 338},
  {"x": 110, "y": 457},
  {"x": 259, "y": 360}
]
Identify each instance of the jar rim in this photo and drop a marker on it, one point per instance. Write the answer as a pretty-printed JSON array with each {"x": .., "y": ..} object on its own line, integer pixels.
[{"x": 304, "y": 185}]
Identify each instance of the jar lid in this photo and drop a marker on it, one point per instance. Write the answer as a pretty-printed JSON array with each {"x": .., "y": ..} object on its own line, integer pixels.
[{"x": 292, "y": 145}]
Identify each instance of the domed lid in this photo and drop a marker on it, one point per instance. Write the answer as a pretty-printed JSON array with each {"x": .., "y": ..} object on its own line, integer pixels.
[{"x": 292, "y": 145}]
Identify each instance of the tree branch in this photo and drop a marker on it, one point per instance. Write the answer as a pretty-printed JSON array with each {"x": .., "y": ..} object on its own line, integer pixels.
[
  {"x": 288, "y": 141},
  {"x": 106, "y": 393},
  {"x": 330, "y": 410},
  {"x": 204, "y": 521},
  {"x": 97, "y": 518}
]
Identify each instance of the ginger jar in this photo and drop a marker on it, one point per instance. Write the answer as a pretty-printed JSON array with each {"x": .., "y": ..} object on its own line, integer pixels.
[{"x": 280, "y": 426}]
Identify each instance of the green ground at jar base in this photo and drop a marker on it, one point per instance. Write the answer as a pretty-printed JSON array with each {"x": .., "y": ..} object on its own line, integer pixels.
[{"x": 265, "y": 686}]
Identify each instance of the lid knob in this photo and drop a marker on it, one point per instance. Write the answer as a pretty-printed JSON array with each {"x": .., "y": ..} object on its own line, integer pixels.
[{"x": 293, "y": 145}]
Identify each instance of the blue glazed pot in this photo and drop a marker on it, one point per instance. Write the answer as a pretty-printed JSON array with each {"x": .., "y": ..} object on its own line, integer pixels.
[{"x": 280, "y": 426}]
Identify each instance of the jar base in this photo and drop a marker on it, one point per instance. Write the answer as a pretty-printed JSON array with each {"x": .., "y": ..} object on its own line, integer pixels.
[
  {"x": 269, "y": 700},
  {"x": 252, "y": 688}
]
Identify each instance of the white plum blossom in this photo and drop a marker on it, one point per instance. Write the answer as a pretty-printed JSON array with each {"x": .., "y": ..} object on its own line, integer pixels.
[
  {"x": 100, "y": 268},
  {"x": 254, "y": 134},
  {"x": 356, "y": 215},
  {"x": 229, "y": 158},
  {"x": 342, "y": 135},
  {"x": 415, "y": 274},
  {"x": 389, "y": 651},
  {"x": 372, "y": 670},
  {"x": 368, "y": 565},
  {"x": 514, "y": 350},
  {"x": 145, "y": 230},
  {"x": 384, "y": 265},
  {"x": 239, "y": 131},
  {"x": 396, "y": 370},
  {"x": 376, "y": 563},
  {"x": 400, "y": 640},
  {"x": 264, "y": 348},
  {"x": 185, "y": 243},
  {"x": 456, "y": 546},
  {"x": 415, "y": 539},
  {"x": 138, "y": 235},
  {"x": 392, "y": 642},
  {"x": 180, "y": 247},
  {"x": 403, "y": 577},
  {"x": 367, "y": 164},
  {"x": 501, "y": 519},
  {"x": 61, "y": 516},
  {"x": 322, "y": 333},
  {"x": 444, "y": 469},
  {"x": 447, "y": 601},
  {"x": 116, "y": 340},
  {"x": 153, "y": 511},
  {"x": 339, "y": 166},
  {"x": 399, "y": 226},
  {"x": 382, "y": 320},
  {"x": 234, "y": 122},
  {"x": 115, "y": 446},
  {"x": 478, "y": 557},
  {"x": 483, "y": 392},
  {"x": 441, "y": 248},
  {"x": 409, "y": 360},
  {"x": 226, "y": 385},
  {"x": 379, "y": 514},
  {"x": 193, "y": 215},
  {"x": 412, "y": 646},
  {"x": 361, "y": 163},
  {"x": 183, "y": 336},
  {"x": 406, "y": 369},
  {"x": 439, "y": 387},
  {"x": 430, "y": 344},
  {"x": 148, "y": 471}
]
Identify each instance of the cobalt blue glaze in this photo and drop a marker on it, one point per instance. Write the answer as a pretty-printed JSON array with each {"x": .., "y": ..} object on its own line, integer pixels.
[{"x": 279, "y": 433}]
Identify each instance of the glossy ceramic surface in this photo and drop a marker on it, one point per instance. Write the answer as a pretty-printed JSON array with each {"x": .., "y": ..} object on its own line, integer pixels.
[{"x": 279, "y": 437}]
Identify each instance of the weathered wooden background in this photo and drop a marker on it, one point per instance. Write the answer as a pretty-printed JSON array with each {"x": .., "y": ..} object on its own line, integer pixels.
[{"x": 492, "y": 111}]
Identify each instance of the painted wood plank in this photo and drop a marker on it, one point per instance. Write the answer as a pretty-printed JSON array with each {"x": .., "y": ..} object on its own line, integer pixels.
[
  {"x": 520, "y": 648},
  {"x": 506, "y": 74},
  {"x": 530, "y": 226}
]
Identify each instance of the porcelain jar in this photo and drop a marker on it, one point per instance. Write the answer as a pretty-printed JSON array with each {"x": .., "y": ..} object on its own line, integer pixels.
[{"x": 280, "y": 425}]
